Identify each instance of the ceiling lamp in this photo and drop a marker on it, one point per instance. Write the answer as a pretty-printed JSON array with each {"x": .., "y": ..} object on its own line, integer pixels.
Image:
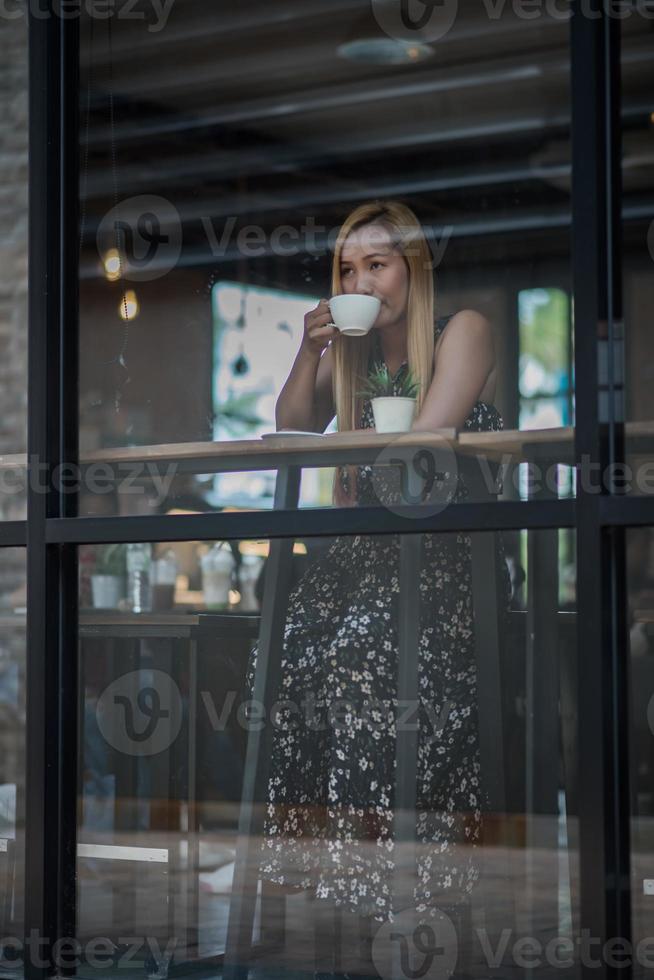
[
  {"x": 111, "y": 263},
  {"x": 385, "y": 51},
  {"x": 128, "y": 307}
]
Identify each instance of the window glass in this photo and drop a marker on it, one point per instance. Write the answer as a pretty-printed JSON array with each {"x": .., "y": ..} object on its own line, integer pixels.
[
  {"x": 174, "y": 642},
  {"x": 640, "y": 619},
  {"x": 630, "y": 361},
  {"x": 221, "y": 154},
  {"x": 13, "y": 598}
]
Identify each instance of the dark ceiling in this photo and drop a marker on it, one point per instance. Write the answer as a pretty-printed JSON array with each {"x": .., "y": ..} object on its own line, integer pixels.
[{"x": 247, "y": 112}]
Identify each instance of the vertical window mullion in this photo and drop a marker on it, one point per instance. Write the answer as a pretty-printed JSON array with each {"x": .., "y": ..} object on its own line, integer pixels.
[
  {"x": 51, "y": 696},
  {"x": 602, "y": 732}
]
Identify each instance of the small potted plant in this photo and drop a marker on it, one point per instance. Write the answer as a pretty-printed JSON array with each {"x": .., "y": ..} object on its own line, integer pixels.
[
  {"x": 392, "y": 412},
  {"x": 108, "y": 579}
]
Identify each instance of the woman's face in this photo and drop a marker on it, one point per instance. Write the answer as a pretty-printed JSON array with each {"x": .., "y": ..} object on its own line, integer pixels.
[{"x": 370, "y": 265}]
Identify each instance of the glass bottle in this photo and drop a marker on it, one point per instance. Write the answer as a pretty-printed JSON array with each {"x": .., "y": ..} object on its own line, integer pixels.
[
  {"x": 217, "y": 567},
  {"x": 139, "y": 588}
]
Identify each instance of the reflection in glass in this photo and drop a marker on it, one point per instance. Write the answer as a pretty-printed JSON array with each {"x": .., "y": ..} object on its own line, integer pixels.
[
  {"x": 640, "y": 622},
  {"x": 546, "y": 356},
  {"x": 170, "y": 707},
  {"x": 633, "y": 355},
  {"x": 13, "y": 597},
  {"x": 227, "y": 167},
  {"x": 256, "y": 335}
]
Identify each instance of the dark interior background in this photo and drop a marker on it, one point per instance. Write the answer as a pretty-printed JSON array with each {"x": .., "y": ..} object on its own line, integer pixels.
[{"x": 248, "y": 113}]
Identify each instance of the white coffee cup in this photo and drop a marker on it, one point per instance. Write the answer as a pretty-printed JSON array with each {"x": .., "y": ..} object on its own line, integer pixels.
[{"x": 354, "y": 313}]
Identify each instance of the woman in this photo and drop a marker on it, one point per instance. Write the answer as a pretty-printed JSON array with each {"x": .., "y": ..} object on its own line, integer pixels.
[{"x": 329, "y": 824}]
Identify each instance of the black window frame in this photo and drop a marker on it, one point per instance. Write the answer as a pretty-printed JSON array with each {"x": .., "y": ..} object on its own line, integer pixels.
[{"x": 53, "y": 530}]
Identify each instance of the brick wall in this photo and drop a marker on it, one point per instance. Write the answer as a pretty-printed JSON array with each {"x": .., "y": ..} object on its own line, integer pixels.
[
  {"x": 13, "y": 236},
  {"x": 13, "y": 281}
]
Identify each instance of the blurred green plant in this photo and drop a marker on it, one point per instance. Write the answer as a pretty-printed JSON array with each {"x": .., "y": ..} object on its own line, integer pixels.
[
  {"x": 380, "y": 384},
  {"x": 238, "y": 414},
  {"x": 111, "y": 559},
  {"x": 545, "y": 327}
]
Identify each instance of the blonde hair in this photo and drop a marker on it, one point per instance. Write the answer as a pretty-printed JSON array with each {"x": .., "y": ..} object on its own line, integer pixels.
[{"x": 351, "y": 355}]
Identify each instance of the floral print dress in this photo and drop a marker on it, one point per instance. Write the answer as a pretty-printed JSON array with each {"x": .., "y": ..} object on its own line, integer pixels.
[{"x": 329, "y": 808}]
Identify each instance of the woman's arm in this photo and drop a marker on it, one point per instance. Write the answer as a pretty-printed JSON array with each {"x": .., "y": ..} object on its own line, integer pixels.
[
  {"x": 305, "y": 401},
  {"x": 465, "y": 359},
  {"x": 325, "y": 410}
]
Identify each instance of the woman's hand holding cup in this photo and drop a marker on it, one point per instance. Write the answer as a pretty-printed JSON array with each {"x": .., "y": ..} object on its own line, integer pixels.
[{"x": 318, "y": 329}]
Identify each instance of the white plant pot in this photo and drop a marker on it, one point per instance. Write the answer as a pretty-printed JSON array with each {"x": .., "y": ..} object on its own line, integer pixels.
[
  {"x": 106, "y": 591},
  {"x": 393, "y": 414}
]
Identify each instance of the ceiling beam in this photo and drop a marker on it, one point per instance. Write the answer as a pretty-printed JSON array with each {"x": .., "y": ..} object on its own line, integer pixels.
[{"x": 552, "y": 219}]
